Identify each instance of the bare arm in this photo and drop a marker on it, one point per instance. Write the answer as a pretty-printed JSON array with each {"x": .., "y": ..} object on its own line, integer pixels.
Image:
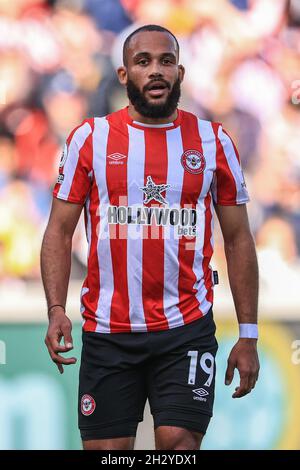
[
  {"x": 243, "y": 278},
  {"x": 241, "y": 260},
  {"x": 55, "y": 269}
]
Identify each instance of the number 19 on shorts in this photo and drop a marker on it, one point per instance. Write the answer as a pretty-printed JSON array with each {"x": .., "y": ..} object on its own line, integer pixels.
[{"x": 207, "y": 364}]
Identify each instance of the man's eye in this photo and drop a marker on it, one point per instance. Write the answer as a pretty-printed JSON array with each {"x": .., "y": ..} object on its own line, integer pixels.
[{"x": 143, "y": 62}]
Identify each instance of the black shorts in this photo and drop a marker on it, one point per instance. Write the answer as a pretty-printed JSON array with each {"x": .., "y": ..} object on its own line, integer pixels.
[{"x": 174, "y": 369}]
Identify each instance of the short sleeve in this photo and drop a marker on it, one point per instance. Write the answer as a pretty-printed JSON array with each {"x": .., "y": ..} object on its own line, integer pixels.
[
  {"x": 228, "y": 187},
  {"x": 75, "y": 167}
]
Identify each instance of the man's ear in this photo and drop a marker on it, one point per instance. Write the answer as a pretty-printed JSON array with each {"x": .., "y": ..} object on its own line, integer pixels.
[
  {"x": 181, "y": 72},
  {"x": 122, "y": 75}
]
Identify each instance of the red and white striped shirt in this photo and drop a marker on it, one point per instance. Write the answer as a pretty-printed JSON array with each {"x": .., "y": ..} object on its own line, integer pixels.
[{"x": 148, "y": 193}]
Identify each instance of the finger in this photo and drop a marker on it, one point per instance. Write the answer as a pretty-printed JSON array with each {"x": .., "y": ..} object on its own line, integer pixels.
[
  {"x": 243, "y": 389},
  {"x": 252, "y": 381},
  {"x": 61, "y": 360},
  {"x": 54, "y": 342},
  {"x": 48, "y": 344},
  {"x": 58, "y": 359},
  {"x": 229, "y": 372},
  {"x": 254, "y": 378},
  {"x": 66, "y": 331}
]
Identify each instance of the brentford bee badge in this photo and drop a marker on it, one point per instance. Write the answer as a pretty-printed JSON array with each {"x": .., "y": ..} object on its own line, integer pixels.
[
  {"x": 88, "y": 405},
  {"x": 193, "y": 161}
]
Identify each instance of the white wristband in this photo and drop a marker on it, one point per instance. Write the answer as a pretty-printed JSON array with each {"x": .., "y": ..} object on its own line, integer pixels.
[{"x": 248, "y": 330}]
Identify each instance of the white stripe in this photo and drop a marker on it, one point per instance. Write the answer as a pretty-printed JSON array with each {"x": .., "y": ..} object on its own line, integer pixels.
[
  {"x": 233, "y": 163},
  {"x": 84, "y": 290},
  {"x": 88, "y": 235},
  {"x": 208, "y": 141},
  {"x": 212, "y": 225},
  {"x": 204, "y": 305},
  {"x": 100, "y": 137},
  {"x": 135, "y": 179},
  {"x": 78, "y": 139},
  {"x": 173, "y": 196},
  {"x": 88, "y": 225}
]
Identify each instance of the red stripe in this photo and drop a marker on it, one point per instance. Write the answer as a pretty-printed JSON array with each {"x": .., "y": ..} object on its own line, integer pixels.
[
  {"x": 207, "y": 249},
  {"x": 226, "y": 187},
  {"x": 191, "y": 189},
  {"x": 80, "y": 184},
  {"x": 116, "y": 178},
  {"x": 79, "y": 175},
  {"x": 92, "y": 281},
  {"x": 156, "y": 166}
]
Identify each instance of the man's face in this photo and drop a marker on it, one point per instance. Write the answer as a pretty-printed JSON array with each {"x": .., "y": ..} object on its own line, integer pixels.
[{"x": 152, "y": 75}]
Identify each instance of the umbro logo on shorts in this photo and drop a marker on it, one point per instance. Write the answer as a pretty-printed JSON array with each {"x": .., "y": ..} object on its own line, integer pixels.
[{"x": 201, "y": 393}]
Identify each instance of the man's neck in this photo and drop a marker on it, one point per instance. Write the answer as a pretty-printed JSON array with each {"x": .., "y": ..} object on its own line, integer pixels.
[{"x": 135, "y": 116}]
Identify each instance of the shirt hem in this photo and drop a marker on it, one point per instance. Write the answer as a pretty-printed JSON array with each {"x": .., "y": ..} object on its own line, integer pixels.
[
  {"x": 68, "y": 198},
  {"x": 142, "y": 330},
  {"x": 232, "y": 203}
]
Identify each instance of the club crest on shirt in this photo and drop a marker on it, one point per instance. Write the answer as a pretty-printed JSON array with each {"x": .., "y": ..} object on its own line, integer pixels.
[
  {"x": 193, "y": 161},
  {"x": 64, "y": 156},
  {"x": 88, "y": 405}
]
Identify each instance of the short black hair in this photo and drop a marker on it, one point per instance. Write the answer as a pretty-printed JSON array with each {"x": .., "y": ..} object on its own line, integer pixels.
[{"x": 147, "y": 27}]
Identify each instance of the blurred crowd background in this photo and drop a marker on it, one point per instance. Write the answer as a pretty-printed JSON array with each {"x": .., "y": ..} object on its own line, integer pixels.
[{"x": 57, "y": 67}]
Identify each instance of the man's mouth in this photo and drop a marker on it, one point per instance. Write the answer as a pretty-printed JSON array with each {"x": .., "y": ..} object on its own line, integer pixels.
[{"x": 157, "y": 89}]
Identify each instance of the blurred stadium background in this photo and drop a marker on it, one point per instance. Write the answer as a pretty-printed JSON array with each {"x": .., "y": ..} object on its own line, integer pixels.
[{"x": 57, "y": 66}]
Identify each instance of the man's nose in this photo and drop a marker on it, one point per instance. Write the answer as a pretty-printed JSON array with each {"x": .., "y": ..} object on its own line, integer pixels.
[{"x": 155, "y": 70}]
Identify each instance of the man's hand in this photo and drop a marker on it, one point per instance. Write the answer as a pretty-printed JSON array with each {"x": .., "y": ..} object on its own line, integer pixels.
[
  {"x": 244, "y": 357},
  {"x": 59, "y": 326}
]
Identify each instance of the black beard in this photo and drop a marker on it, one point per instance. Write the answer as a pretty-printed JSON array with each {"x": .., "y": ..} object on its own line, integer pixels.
[{"x": 142, "y": 106}]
